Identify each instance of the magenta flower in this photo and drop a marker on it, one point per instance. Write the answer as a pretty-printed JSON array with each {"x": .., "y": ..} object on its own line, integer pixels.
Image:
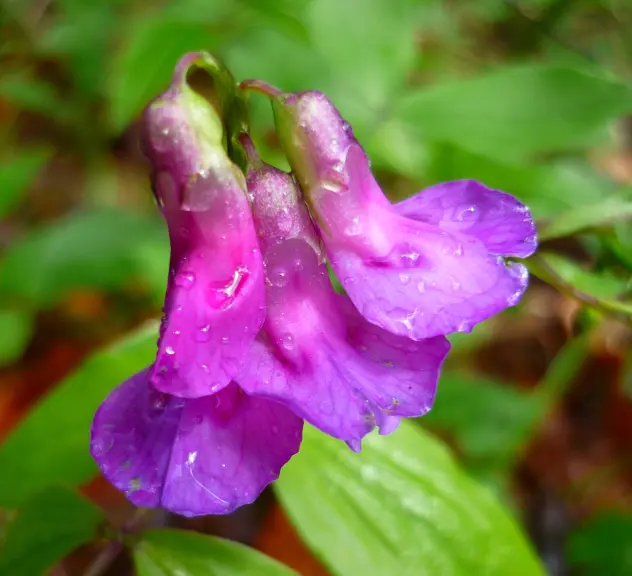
[
  {"x": 316, "y": 353},
  {"x": 205, "y": 447},
  {"x": 214, "y": 305},
  {"x": 430, "y": 265}
]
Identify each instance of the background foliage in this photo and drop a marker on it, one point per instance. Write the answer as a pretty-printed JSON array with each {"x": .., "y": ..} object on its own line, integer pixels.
[{"x": 523, "y": 466}]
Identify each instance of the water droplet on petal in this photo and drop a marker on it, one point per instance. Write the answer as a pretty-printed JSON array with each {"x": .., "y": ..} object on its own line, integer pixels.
[
  {"x": 203, "y": 334},
  {"x": 464, "y": 326},
  {"x": 185, "y": 280},
  {"x": 170, "y": 351},
  {"x": 404, "y": 278},
  {"x": 278, "y": 277},
  {"x": 185, "y": 232},
  {"x": 287, "y": 341},
  {"x": 459, "y": 250},
  {"x": 225, "y": 339},
  {"x": 421, "y": 287}
]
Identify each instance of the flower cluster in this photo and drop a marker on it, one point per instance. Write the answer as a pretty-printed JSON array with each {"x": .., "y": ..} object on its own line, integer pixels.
[{"x": 255, "y": 340}]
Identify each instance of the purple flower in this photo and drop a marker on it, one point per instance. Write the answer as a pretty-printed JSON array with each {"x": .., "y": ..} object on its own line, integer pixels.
[
  {"x": 214, "y": 305},
  {"x": 182, "y": 434},
  {"x": 191, "y": 456},
  {"x": 430, "y": 265},
  {"x": 316, "y": 353}
]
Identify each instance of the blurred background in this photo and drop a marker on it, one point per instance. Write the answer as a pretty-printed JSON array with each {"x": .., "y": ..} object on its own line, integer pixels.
[{"x": 528, "y": 96}]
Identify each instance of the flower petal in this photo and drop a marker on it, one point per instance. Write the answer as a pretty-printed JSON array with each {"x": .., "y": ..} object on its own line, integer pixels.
[
  {"x": 503, "y": 224},
  {"x": 329, "y": 365},
  {"x": 215, "y": 302},
  {"x": 413, "y": 278},
  {"x": 193, "y": 457},
  {"x": 214, "y": 305}
]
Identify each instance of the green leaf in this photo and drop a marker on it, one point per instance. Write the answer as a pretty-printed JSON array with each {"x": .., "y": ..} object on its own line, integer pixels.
[
  {"x": 144, "y": 66},
  {"x": 402, "y": 506},
  {"x": 582, "y": 218},
  {"x": 599, "y": 284},
  {"x": 97, "y": 248},
  {"x": 515, "y": 112},
  {"x": 180, "y": 553},
  {"x": 33, "y": 95},
  {"x": 369, "y": 48},
  {"x": 47, "y": 528},
  {"x": 16, "y": 329},
  {"x": 492, "y": 421},
  {"x": 51, "y": 445},
  {"x": 17, "y": 173},
  {"x": 603, "y": 545}
]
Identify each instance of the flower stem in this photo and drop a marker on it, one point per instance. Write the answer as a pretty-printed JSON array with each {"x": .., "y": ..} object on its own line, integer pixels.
[{"x": 261, "y": 87}]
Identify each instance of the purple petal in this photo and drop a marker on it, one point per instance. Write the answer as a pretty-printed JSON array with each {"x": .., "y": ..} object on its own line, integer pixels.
[
  {"x": 193, "y": 457},
  {"x": 329, "y": 365},
  {"x": 215, "y": 302},
  {"x": 413, "y": 278},
  {"x": 498, "y": 220},
  {"x": 214, "y": 305}
]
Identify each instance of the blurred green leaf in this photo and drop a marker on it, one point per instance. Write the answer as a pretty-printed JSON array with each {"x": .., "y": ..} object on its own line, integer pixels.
[
  {"x": 286, "y": 16},
  {"x": 599, "y": 284},
  {"x": 81, "y": 38},
  {"x": 581, "y": 218},
  {"x": 402, "y": 506},
  {"x": 17, "y": 173},
  {"x": 514, "y": 112},
  {"x": 143, "y": 67},
  {"x": 97, "y": 248},
  {"x": 603, "y": 545},
  {"x": 486, "y": 417},
  {"x": 185, "y": 553},
  {"x": 491, "y": 421},
  {"x": 47, "y": 528},
  {"x": 51, "y": 445},
  {"x": 32, "y": 94},
  {"x": 369, "y": 48},
  {"x": 16, "y": 329}
]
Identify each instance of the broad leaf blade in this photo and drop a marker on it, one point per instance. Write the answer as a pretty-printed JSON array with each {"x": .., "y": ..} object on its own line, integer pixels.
[
  {"x": 402, "y": 506},
  {"x": 180, "y": 553},
  {"x": 16, "y": 329},
  {"x": 594, "y": 215},
  {"x": 97, "y": 248},
  {"x": 47, "y": 528},
  {"x": 17, "y": 173},
  {"x": 514, "y": 112}
]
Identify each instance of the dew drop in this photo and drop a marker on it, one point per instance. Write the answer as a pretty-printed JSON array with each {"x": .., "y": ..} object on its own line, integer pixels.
[
  {"x": 459, "y": 250},
  {"x": 404, "y": 278},
  {"x": 185, "y": 232},
  {"x": 464, "y": 326},
  {"x": 203, "y": 334},
  {"x": 169, "y": 351},
  {"x": 421, "y": 287},
  {"x": 225, "y": 339},
  {"x": 185, "y": 280},
  {"x": 278, "y": 277},
  {"x": 354, "y": 227},
  {"x": 287, "y": 341}
]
